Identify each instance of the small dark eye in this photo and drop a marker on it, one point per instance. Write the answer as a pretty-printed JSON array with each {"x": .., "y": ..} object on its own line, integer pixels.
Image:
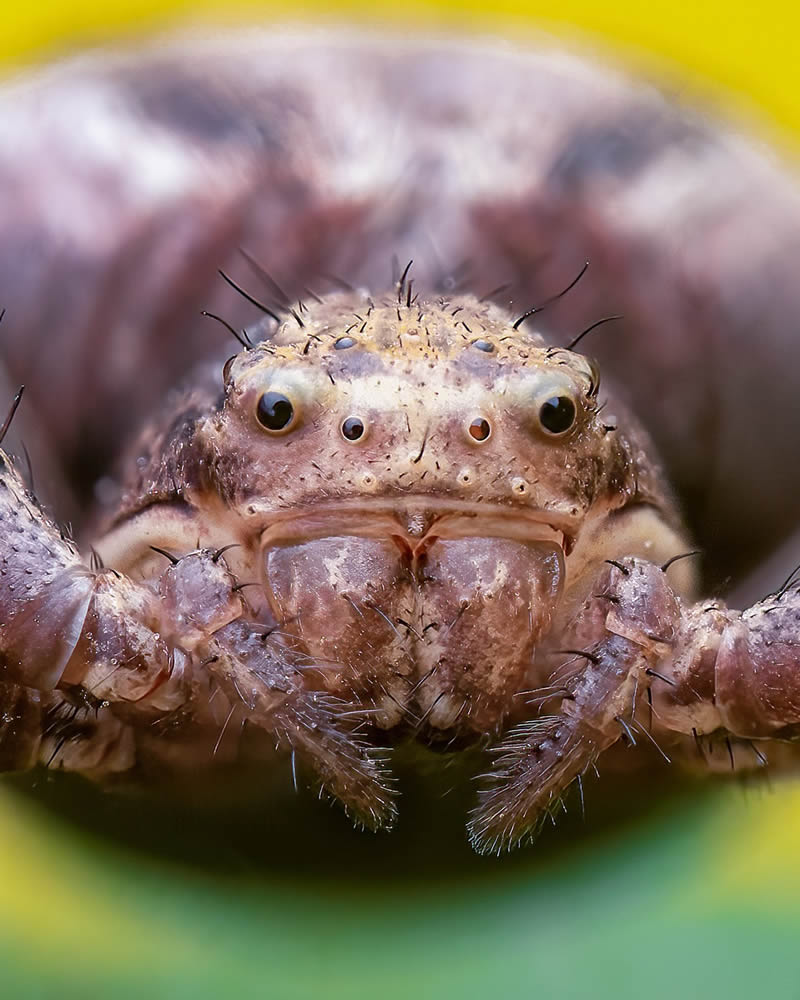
[
  {"x": 353, "y": 428},
  {"x": 483, "y": 345},
  {"x": 343, "y": 343},
  {"x": 480, "y": 429},
  {"x": 557, "y": 414},
  {"x": 274, "y": 411}
]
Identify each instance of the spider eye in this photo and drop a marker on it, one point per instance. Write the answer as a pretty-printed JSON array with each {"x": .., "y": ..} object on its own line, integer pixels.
[
  {"x": 343, "y": 343},
  {"x": 480, "y": 429},
  {"x": 557, "y": 414},
  {"x": 275, "y": 412},
  {"x": 483, "y": 345},
  {"x": 353, "y": 428}
]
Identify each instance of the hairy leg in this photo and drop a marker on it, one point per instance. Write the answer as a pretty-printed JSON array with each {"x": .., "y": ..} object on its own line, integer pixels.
[
  {"x": 89, "y": 657},
  {"x": 704, "y": 669}
]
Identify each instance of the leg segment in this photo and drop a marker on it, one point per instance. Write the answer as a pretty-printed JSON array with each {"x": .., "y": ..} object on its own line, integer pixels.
[
  {"x": 266, "y": 682},
  {"x": 65, "y": 729},
  {"x": 88, "y": 658},
  {"x": 711, "y": 669}
]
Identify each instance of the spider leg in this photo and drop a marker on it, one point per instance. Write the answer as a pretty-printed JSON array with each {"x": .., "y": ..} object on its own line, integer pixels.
[
  {"x": 136, "y": 653},
  {"x": 617, "y": 639},
  {"x": 706, "y": 670},
  {"x": 617, "y": 645},
  {"x": 265, "y": 679},
  {"x": 538, "y": 759}
]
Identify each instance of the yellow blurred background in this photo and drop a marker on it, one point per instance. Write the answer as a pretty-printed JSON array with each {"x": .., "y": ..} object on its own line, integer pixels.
[{"x": 742, "y": 50}]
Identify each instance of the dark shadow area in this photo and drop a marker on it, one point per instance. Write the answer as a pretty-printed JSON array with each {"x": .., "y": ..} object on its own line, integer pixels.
[{"x": 274, "y": 832}]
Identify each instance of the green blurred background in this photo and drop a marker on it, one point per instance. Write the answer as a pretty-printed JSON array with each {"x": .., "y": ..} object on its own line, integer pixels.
[{"x": 690, "y": 893}]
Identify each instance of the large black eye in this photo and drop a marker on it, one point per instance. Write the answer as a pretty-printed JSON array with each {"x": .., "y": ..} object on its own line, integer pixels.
[
  {"x": 557, "y": 414},
  {"x": 353, "y": 428},
  {"x": 274, "y": 411}
]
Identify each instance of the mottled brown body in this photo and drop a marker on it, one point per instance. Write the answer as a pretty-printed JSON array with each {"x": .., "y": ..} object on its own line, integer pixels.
[
  {"x": 421, "y": 564},
  {"x": 414, "y": 548}
]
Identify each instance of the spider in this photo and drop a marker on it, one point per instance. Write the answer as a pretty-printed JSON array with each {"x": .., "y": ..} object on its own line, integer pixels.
[{"x": 409, "y": 507}]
